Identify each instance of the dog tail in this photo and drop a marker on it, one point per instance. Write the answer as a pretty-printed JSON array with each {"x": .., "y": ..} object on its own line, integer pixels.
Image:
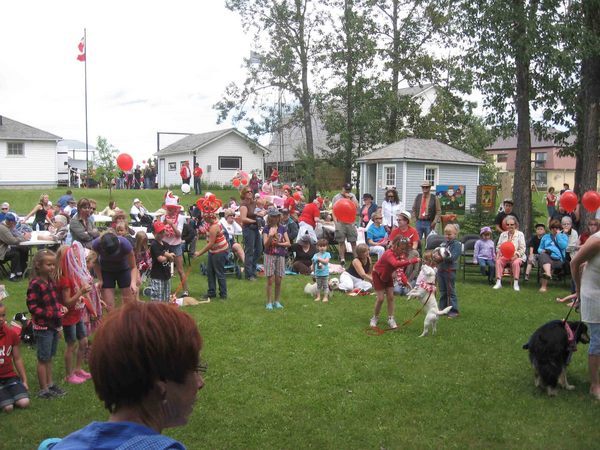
[{"x": 444, "y": 311}]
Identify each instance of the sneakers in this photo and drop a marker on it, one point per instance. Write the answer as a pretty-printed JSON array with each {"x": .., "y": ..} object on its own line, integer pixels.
[
  {"x": 45, "y": 394},
  {"x": 83, "y": 374},
  {"x": 74, "y": 379},
  {"x": 56, "y": 391},
  {"x": 373, "y": 322},
  {"x": 498, "y": 284},
  {"x": 453, "y": 314},
  {"x": 392, "y": 323},
  {"x": 516, "y": 286},
  {"x": 269, "y": 307},
  {"x": 278, "y": 305}
]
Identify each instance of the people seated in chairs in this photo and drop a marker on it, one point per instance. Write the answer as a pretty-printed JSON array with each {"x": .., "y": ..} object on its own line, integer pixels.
[
  {"x": 567, "y": 228},
  {"x": 139, "y": 214},
  {"x": 377, "y": 237},
  {"x": 233, "y": 229},
  {"x": 111, "y": 209},
  {"x": 484, "y": 254},
  {"x": 358, "y": 275},
  {"x": 10, "y": 249},
  {"x": 367, "y": 209},
  {"x": 552, "y": 252},
  {"x": 57, "y": 231},
  {"x": 303, "y": 251},
  {"x": 533, "y": 248},
  {"x": 81, "y": 227},
  {"x": 518, "y": 239}
]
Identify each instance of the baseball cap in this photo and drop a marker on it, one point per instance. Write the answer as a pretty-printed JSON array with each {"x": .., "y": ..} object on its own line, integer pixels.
[
  {"x": 10, "y": 217},
  {"x": 158, "y": 227},
  {"x": 110, "y": 243},
  {"x": 539, "y": 225},
  {"x": 135, "y": 200},
  {"x": 5, "y": 205},
  {"x": 347, "y": 187},
  {"x": 508, "y": 200}
]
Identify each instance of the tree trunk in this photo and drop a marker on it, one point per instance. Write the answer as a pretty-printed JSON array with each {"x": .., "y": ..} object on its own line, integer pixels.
[
  {"x": 350, "y": 74},
  {"x": 393, "y": 118},
  {"x": 590, "y": 80},
  {"x": 522, "y": 181}
]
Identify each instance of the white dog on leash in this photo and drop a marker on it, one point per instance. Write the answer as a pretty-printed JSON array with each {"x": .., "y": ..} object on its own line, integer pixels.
[
  {"x": 424, "y": 291},
  {"x": 311, "y": 288}
]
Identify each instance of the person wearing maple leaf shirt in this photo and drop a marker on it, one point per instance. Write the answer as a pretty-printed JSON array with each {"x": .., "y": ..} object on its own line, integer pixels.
[
  {"x": 197, "y": 179},
  {"x": 185, "y": 173},
  {"x": 389, "y": 267},
  {"x": 13, "y": 385},
  {"x": 310, "y": 216},
  {"x": 405, "y": 230}
]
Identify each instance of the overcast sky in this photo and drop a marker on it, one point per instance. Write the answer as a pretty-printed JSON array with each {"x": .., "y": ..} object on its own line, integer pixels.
[{"x": 151, "y": 66}]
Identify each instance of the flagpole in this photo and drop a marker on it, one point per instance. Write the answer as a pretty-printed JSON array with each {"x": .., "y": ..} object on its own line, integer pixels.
[{"x": 87, "y": 161}]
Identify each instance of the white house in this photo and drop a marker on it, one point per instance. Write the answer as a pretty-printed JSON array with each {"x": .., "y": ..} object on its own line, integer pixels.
[
  {"x": 220, "y": 154},
  {"x": 406, "y": 163},
  {"x": 28, "y": 155}
]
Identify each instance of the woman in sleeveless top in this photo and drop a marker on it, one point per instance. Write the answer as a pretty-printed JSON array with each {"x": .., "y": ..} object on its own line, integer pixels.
[
  {"x": 250, "y": 233},
  {"x": 358, "y": 275},
  {"x": 587, "y": 283},
  {"x": 218, "y": 250},
  {"x": 41, "y": 212}
]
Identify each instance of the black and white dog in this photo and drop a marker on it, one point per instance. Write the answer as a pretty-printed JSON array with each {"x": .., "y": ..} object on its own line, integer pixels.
[{"x": 550, "y": 348}]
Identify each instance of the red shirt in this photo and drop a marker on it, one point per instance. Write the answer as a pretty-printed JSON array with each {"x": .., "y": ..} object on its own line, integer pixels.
[
  {"x": 290, "y": 204},
  {"x": 197, "y": 172},
  {"x": 185, "y": 172},
  {"x": 309, "y": 213},
  {"x": 73, "y": 315},
  {"x": 8, "y": 339},
  {"x": 411, "y": 234},
  {"x": 388, "y": 263}
]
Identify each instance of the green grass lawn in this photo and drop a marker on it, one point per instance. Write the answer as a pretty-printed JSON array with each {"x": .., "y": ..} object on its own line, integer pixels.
[{"x": 309, "y": 376}]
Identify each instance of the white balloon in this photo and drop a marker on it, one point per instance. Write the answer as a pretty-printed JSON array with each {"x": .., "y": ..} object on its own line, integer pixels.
[{"x": 185, "y": 188}]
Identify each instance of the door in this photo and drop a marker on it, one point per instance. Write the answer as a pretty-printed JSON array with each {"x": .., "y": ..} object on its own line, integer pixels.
[{"x": 161, "y": 173}]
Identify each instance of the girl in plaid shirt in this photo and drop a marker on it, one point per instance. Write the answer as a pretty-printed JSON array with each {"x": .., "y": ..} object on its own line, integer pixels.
[{"x": 46, "y": 314}]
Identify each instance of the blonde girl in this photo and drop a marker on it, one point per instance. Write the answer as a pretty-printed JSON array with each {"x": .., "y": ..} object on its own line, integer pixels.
[
  {"x": 143, "y": 261},
  {"x": 46, "y": 314}
]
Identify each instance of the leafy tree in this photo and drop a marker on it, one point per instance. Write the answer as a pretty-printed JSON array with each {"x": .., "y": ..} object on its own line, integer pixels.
[
  {"x": 106, "y": 163},
  {"x": 287, "y": 34}
]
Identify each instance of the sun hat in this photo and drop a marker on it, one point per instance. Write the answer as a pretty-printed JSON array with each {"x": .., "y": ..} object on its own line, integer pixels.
[
  {"x": 426, "y": 183},
  {"x": 508, "y": 200},
  {"x": 5, "y": 205},
  {"x": 405, "y": 214},
  {"x": 485, "y": 230},
  {"x": 136, "y": 200}
]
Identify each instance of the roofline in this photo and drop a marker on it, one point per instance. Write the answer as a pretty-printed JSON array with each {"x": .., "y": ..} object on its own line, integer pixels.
[
  {"x": 217, "y": 137},
  {"x": 424, "y": 90},
  {"x": 361, "y": 160},
  {"x": 57, "y": 139},
  {"x": 557, "y": 147}
]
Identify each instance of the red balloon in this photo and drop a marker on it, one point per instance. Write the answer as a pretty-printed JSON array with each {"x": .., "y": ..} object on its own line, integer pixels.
[
  {"x": 568, "y": 201},
  {"x": 591, "y": 201},
  {"x": 236, "y": 182},
  {"x": 143, "y": 161},
  {"x": 508, "y": 249},
  {"x": 345, "y": 210},
  {"x": 244, "y": 181},
  {"x": 125, "y": 162},
  {"x": 297, "y": 196}
]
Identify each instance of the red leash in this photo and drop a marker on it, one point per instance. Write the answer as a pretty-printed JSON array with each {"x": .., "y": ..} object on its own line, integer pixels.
[{"x": 376, "y": 331}]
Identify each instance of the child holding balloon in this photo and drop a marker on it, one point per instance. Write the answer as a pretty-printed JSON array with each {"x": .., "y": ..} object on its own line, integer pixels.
[{"x": 511, "y": 249}]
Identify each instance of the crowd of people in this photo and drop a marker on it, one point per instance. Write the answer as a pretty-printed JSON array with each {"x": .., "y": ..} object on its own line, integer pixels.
[{"x": 73, "y": 280}]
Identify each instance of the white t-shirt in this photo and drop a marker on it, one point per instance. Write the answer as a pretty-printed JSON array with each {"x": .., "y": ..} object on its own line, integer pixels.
[
  {"x": 170, "y": 238},
  {"x": 233, "y": 229}
]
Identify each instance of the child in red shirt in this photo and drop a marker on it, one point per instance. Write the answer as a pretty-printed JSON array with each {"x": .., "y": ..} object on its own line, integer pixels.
[
  {"x": 13, "y": 387},
  {"x": 393, "y": 260}
]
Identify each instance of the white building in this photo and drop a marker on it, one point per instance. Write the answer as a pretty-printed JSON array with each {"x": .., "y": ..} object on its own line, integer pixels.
[
  {"x": 28, "y": 156},
  {"x": 220, "y": 154}
]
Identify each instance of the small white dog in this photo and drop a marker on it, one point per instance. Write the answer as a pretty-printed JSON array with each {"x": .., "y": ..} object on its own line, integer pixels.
[
  {"x": 425, "y": 293},
  {"x": 311, "y": 288}
]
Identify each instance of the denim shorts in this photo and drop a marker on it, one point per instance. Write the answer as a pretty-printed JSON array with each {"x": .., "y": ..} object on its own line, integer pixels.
[
  {"x": 46, "y": 342},
  {"x": 11, "y": 390},
  {"x": 594, "y": 348},
  {"x": 74, "y": 332},
  {"x": 111, "y": 279},
  {"x": 177, "y": 249}
]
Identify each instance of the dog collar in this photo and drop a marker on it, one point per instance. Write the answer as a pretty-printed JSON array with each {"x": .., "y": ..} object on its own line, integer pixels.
[
  {"x": 429, "y": 287},
  {"x": 570, "y": 338}
]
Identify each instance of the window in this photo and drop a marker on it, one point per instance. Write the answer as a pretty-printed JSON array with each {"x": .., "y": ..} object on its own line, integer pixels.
[
  {"x": 172, "y": 167},
  {"x": 541, "y": 179},
  {"x": 539, "y": 161},
  {"x": 14, "y": 149},
  {"x": 230, "y": 162},
  {"x": 431, "y": 174},
  {"x": 502, "y": 157},
  {"x": 388, "y": 175}
]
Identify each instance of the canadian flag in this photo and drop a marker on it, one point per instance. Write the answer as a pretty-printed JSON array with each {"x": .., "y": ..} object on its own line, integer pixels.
[{"x": 81, "y": 47}]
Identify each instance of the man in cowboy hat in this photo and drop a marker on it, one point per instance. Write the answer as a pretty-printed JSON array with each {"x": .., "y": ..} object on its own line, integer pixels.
[{"x": 426, "y": 210}]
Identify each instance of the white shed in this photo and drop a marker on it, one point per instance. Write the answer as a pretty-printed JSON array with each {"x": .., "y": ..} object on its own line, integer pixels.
[
  {"x": 220, "y": 154},
  {"x": 28, "y": 155}
]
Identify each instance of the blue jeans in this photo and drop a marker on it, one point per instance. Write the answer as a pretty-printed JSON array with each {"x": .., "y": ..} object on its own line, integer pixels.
[
  {"x": 447, "y": 285},
  {"x": 423, "y": 228},
  {"x": 216, "y": 272},
  {"x": 197, "y": 185},
  {"x": 252, "y": 249},
  {"x": 483, "y": 263}
]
